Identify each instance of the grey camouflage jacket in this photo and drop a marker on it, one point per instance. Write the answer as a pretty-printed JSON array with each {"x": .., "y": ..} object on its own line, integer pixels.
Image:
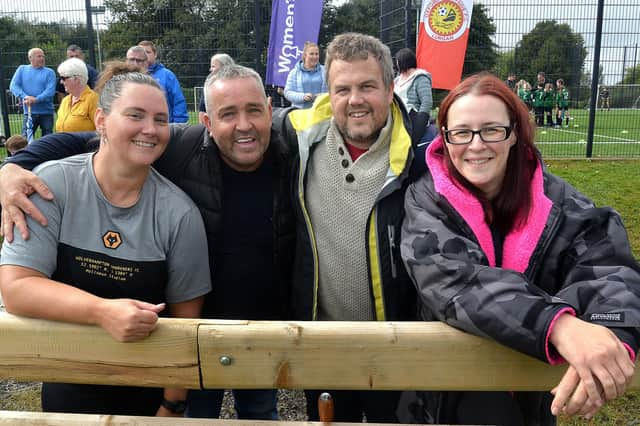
[{"x": 570, "y": 254}]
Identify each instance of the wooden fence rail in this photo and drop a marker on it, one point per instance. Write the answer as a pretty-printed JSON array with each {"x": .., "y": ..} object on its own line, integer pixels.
[{"x": 263, "y": 354}]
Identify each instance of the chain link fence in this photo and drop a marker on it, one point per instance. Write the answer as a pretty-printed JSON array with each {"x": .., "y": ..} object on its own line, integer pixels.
[
  {"x": 569, "y": 41},
  {"x": 517, "y": 36}
]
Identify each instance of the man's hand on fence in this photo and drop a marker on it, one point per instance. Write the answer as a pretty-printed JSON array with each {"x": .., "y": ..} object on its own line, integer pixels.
[
  {"x": 16, "y": 184},
  {"x": 128, "y": 320}
]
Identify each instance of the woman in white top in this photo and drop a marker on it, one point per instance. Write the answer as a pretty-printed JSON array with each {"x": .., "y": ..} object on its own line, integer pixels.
[{"x": 413, "y": 86}]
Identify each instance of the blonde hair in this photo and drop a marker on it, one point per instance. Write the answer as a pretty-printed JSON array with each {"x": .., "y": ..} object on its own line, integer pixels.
[{"x": 114, "y": 77}]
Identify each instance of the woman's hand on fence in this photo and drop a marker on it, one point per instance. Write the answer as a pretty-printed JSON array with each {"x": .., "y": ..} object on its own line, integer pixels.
[
  {"x": 16, "y": 184},
  {"x": 599, "y": 359},
  {"x": 128, "y": 320},
  {"x": 577, "y": 402}
]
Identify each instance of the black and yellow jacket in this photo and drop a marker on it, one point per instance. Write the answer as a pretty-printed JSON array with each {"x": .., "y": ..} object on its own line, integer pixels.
[{"x": 392, "y": 292}]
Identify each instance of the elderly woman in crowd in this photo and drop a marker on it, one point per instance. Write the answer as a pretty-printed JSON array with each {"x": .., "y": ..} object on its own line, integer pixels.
[
  {"x": 218, "y": 61},
  {"x": 500, "y": 247},
  {"x": 78, "y": 109}
]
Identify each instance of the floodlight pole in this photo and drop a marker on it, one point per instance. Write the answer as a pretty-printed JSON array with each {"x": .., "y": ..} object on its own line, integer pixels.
[
  {"x": 90, "y": 48},
  {"x": 595, "y": 78}
]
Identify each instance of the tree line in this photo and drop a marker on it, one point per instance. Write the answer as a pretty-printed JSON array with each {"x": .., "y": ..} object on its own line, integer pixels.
[{"x": 190, "y": 31}]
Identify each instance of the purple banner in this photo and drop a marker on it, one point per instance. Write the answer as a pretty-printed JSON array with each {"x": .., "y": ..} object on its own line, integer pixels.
[{"x": 293, "y": 22}]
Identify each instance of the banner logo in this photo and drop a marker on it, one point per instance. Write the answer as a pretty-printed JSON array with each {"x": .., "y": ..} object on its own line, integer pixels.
[
  {"x": 293, "y": 22},
  {"x": 446, "y": 20}
]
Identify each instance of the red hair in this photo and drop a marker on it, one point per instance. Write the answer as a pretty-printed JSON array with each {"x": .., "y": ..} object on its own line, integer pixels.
[{"x": 511, "y": 206}]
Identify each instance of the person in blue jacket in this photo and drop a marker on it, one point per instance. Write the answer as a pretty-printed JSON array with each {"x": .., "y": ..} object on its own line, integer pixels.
[
  {"x": 307, "y": 78},
  {"x": 169, "y": 82},
  {"x": 35, "y": 86}
]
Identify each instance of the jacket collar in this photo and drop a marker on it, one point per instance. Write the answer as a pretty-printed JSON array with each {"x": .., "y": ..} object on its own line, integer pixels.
[{"x": 519, "y": 244}]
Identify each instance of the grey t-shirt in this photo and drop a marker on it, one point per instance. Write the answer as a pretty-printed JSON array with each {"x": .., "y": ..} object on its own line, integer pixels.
[{"x": 155, "y": 250}]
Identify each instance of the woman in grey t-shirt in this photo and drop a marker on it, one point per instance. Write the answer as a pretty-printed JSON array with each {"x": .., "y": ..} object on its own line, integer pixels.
[{"x": 122, "y": 246}]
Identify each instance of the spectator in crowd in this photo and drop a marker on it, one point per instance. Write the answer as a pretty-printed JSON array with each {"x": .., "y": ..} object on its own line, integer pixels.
[
  {"x": 355, "y": 158},
  {"x": 137, "y": 56},
  {"x": 538, "y": 100},
  {"x": 537, "y": 95},
  {"x": 35, "y": 86},
  {"x": 116, "y": 193},
  {"x": 549, "y": 101},
  {"x": 15, "y": 143},
  {"x": 220, "y": 60},
  {"x": 511, "y": 81},
  {"x": 78, "y": 109},
  {"x": 75, "y": 51},
  {"x": 238, "y": 173},
  {"x": 276, "y": 93},
  {"x": 541, "y": 79},
  {"x": 169, "y": 82},
  {"x": 413, "y": 86},
  {"x": 604, "y": 98},
  {"x": 217, "y": 61},
  {"x": 306, "y": 80},
  {"x": 499, "y": 247},
  {"x": 562, "y": 103},
  {"x": 523, "y": 90}
]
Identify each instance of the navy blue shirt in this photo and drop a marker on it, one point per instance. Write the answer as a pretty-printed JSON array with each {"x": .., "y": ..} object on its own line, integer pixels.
[{"x": 243, "y": 286}]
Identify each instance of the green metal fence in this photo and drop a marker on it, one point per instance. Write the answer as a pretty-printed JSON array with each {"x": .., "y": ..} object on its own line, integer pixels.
[
  {"x": 569, "y": 40},
  {"x": 574, "y": 41}
]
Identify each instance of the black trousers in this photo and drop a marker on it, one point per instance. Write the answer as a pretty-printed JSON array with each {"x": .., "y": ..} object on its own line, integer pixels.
[{"x": 100, "y": 399}]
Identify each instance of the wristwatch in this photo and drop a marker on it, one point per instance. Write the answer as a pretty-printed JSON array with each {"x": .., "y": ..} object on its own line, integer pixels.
[{"x": 176, "y": 407}]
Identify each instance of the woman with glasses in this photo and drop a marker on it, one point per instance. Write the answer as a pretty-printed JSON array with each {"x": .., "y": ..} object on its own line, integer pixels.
[
  {"x": 501, "y": 248},
  {"x": 78, "y": 109}
]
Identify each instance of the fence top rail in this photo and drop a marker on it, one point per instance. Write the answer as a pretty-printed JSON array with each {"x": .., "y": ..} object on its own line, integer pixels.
[{"x": 217, "y": 354}]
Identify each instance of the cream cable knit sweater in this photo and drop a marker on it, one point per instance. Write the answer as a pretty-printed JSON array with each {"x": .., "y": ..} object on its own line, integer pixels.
[{"x": 340, "y": 194}]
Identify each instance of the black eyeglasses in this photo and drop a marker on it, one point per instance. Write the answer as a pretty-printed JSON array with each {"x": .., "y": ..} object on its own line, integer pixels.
[
  {"x": 136, "y": 60},
  {"x": 66, "y": 77},
  {"x": 491, "y": 134}
]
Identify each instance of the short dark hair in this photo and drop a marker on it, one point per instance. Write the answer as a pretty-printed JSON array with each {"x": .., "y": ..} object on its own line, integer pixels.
[
  {"x": 406, "y": 59},
  {"x": 351, "y": 47},
  {"x": 151, "y": 44}
]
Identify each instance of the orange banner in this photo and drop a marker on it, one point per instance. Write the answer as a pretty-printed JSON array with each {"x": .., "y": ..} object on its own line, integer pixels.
[{"x": 442, "y": 40}]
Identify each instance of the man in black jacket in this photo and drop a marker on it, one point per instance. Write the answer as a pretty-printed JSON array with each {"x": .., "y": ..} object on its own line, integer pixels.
[
  {"x": 356, "y": 160},
  {"x": 237, "y": 172}
]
